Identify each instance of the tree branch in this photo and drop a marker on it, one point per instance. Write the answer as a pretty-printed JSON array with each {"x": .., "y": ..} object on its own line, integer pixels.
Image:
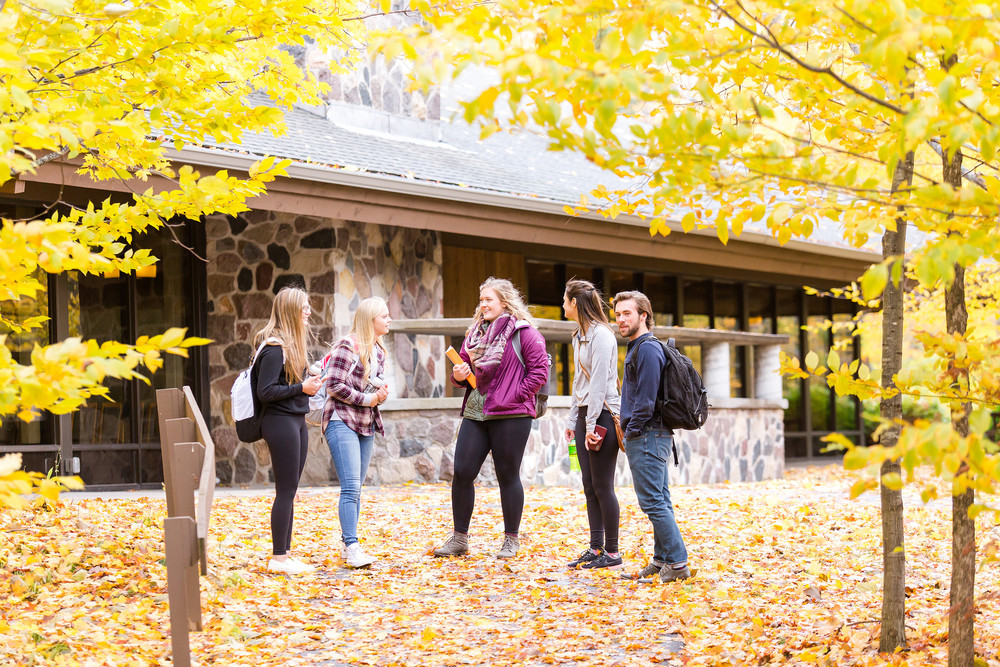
[{"x": 772, "y": 41}]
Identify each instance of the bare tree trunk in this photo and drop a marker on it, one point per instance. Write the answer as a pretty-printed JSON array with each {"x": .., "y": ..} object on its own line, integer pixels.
[
  {"x": 893, "y": 634},
  {"x": 961, "y": 617}
]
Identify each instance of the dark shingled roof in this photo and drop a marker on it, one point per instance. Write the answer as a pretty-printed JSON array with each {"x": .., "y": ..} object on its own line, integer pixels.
[{"x": 508, "y": 164}]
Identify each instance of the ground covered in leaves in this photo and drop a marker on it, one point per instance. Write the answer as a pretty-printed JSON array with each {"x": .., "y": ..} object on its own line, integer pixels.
[{"x": 785, "y": 572}]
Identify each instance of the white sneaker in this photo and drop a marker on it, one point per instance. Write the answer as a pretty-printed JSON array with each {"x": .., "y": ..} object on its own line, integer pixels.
[
  {"x": 343, "y": 549},
  {"x": 312, "y": 568},
  {"x": 288, "y": 566},
  {"x": 356, "y": 557}
]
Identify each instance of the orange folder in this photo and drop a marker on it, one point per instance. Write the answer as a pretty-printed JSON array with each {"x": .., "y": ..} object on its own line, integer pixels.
[{"x": 455, "y": 359}]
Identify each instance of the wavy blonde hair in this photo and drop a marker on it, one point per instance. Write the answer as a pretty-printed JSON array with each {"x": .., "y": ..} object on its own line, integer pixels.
[
  {"x": 286, "y": 325},
  {"x": 363, "y": 332},
  {"x": 510, "y": 299}
]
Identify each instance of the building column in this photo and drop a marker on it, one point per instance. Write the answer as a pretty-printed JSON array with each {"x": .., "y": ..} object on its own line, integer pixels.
[
  {"x": 767, "y": 372},
  {"x": 715, "y": 369}
]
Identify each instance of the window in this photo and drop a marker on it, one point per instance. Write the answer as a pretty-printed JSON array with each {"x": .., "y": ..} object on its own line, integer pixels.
[
  {"x": 14, "y": 432},
  {"x": 662, "y": 293},
  {"x": 728, "y": 316},
  {"x": 788, "y": 323},
  {"x": 116, "y": 440},
  {"x": 696, "y": 304}
]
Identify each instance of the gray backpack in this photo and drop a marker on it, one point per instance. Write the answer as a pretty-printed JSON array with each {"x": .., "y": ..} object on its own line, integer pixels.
[{"x": 541, "y": 398}]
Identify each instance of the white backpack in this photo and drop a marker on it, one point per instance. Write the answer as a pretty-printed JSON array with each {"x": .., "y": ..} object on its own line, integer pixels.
[{"x": 241, "y": 398}]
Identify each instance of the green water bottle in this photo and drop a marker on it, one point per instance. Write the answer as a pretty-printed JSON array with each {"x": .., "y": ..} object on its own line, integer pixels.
[{"x": 574, "y": 463}]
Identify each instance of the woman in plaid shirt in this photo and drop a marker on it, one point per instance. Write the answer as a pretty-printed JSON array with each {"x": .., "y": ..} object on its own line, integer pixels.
[{"x": 355, "y": 386}]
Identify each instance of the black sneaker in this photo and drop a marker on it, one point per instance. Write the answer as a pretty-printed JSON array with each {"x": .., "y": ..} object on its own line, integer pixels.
[
  {"x": 604, "y": 560},
  {"x": 585, "y": 557}
]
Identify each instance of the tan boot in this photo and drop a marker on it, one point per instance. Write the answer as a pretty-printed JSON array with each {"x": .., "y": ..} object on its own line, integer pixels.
[
  {"x": 456, "y": 545},
  {"x": 510, "y": 546}
]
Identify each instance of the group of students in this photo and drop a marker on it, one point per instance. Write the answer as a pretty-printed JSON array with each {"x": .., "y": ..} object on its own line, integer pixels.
[{"x": 504, "y": 365}]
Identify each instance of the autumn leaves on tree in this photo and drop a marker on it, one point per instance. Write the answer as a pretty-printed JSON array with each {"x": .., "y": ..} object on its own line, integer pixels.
[
  {"x": 786, "y": 114},
  {"x": 111, "y": 87},
  {"x": 871, "y": 117}
]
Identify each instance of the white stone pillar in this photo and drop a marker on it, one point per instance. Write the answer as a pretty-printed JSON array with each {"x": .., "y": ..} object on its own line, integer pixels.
[
  {"x": 715, "y": 369},
  {"x": 767, "y": 372}
]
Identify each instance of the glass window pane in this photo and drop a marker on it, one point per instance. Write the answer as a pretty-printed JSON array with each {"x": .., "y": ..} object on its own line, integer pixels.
[
  {"x": 760, "y": 314},
  {"x": 696, "y": 314},
  {"x": 545, "y": 287},
  {"x": 788, "y": 323},
  {"x": 819, "y": 447},
  {"x": 818, "y": 341},
  {"x": 579, "y": 272},
  {"x": 728, "y": 297},
  {"x": 98, "y": 309},
  {"x": 728, "y": 317},
  {"x": 100, "y": 467},
  {"x": 560, "y": 379},
  {"x": 846, "y": 406},
  {"x": 162, "y": 303},
  {"x": 620, "y": 280},
  {"x": 795, "y": 447},
  {"x": 662, "y": 293},
  {"x": 40, "y": 430}
]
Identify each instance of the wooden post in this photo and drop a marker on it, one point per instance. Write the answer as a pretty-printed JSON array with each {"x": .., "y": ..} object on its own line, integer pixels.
[
  {"x": 206, "y": 479},
  {"x": 179, "y": 533},
  {"x": 169, "y": 405},
  {"x": 188, "y": 466},
  {"x": 184, "y": 475}
]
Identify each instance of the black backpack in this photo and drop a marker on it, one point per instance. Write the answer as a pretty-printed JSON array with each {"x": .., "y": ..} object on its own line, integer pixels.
[{"x": 682, "y": 400}]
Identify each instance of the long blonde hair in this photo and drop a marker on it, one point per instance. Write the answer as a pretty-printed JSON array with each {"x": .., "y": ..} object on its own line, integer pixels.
[
  {"x": 286, "y": 325},
  {"x": 510, "y": 299},
  {"x": 363, "y": 332}
]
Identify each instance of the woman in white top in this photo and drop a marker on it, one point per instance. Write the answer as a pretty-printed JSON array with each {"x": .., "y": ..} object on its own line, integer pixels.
[{"x": 596, "y": 405}]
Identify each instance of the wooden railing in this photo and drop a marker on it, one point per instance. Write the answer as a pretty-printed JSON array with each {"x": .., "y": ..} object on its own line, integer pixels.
[
  {"x": 189, "y": 482},
  {"x": 764, "y": 363}
]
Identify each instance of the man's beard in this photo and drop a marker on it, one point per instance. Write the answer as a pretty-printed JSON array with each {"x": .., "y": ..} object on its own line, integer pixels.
[{"x": 631, "y": 331}]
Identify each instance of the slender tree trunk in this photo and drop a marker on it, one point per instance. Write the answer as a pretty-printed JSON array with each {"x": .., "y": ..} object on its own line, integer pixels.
[
  {"x": 961, "y": 617},
  {"x": 891, "y": 410}
]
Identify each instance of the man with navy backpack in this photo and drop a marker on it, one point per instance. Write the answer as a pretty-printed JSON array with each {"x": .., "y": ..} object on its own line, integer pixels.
[{"x": 648, "y": 444}]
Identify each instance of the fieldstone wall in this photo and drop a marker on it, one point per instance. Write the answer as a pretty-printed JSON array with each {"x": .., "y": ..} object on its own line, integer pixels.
[
  {"x": 736, "y": 445},
  {"x": 374, "y": 84},
  {"x": 339, "y": 262}
]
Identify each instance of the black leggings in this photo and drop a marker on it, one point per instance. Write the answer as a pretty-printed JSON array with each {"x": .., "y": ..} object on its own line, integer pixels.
[
  {"x": 506, "y": 439},
  {"x": 288, "y": 442},
  {"x": 598, "y": 471}
]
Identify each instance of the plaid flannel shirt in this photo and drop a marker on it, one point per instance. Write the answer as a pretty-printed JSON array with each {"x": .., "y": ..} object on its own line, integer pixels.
[{"x": 347, "y": 392}]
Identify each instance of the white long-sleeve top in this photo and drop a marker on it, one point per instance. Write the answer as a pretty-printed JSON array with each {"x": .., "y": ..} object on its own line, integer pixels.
[{"x": 597, "y": 350}]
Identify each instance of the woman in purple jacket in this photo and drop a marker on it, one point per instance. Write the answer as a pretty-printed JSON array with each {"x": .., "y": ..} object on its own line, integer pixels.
[{"x": 497, "y": 412}]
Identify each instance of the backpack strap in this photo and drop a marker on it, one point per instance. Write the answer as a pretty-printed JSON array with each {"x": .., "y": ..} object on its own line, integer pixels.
[
  {"x": 516, "y": 341},
  {"x": 260, "y": 349},
  {"x": 660, "y": 390}
]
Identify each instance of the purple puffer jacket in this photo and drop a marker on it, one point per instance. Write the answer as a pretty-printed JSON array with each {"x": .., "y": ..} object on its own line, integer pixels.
[{"x": 512, "y": 391}]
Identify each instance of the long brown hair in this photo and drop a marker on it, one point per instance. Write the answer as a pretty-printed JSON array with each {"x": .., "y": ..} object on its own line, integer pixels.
[
  {"x": 589, "y": 304},
  {"x": 286, "y": 325}
]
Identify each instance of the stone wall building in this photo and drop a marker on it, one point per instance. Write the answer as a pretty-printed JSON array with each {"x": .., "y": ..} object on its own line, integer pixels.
[{"x": 386, "y": 197}]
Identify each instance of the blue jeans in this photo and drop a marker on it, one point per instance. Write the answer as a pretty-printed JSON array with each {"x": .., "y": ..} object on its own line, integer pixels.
[
  {"x": 351, "y": 455},
  {"x": 649, "y": 459}
]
